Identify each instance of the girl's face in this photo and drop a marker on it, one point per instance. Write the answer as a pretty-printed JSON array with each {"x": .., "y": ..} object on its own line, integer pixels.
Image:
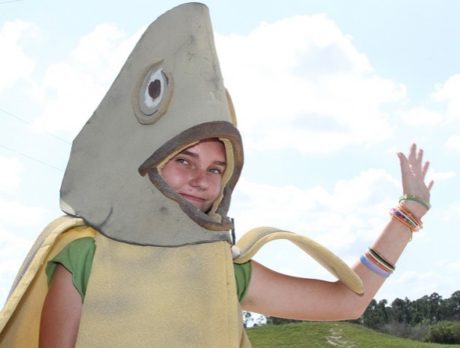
[{"x": 196, "y": 173}]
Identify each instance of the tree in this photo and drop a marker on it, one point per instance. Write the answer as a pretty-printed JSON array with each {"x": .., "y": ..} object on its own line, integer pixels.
[
  {"x": 376, "y": 314},
  {"x": 450, "y": 308},
  {"x": 421, "y": 310},
  {"x": 400, "y": 310},
  {"x": 435, "y": 301}
]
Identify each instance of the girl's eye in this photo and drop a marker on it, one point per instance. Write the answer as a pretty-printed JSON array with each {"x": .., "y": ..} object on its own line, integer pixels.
[
  {"x": 217, "y": 171},
  {"x": 182, "y": 161}
]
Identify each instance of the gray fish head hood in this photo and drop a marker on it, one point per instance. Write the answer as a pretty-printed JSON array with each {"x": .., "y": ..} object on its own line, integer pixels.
[{"x": 168, "y": 96}]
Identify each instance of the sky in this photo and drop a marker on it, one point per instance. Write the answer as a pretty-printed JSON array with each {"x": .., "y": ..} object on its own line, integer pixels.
[{"x": 326, "y": 94}]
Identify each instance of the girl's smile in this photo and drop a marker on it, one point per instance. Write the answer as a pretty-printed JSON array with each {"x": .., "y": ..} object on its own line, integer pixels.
[{"x": 196, "y": 173}]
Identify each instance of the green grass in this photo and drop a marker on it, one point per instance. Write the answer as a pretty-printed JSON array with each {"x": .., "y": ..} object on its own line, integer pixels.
[{"x": 329, "y": 334}]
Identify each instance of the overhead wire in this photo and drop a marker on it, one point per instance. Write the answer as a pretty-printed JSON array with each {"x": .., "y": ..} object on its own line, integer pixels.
[
  {"x": 28, "y": 122},
  {"x": 17, "y": 118},
  {"x": 8, "y": 1},
  {"x": 32, "y": 158}
]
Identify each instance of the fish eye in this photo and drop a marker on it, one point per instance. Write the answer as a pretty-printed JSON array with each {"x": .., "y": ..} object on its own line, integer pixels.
[
  {"x": 152, "y": 92},
  {"x": 154, "y": 95}
]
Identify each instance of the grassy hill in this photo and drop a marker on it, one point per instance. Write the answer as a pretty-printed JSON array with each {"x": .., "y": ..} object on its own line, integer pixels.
[{"x": 333, "y": 334}]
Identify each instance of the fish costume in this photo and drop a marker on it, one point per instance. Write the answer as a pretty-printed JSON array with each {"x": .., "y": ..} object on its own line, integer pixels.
[{"x": 162, "y": 273}]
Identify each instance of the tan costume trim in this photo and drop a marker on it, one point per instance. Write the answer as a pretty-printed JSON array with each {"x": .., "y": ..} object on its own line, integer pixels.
[{"x": 216, "y": 220}]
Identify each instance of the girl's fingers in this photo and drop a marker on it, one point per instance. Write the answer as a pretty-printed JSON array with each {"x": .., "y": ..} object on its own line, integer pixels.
[
  {"x": 419, "y": 159},
  {"x": 415, "y": 160},
  {"x": 403, "y": 161},
  {"x": 412, "y": 153},
  {"x": 425, "y": 169}
]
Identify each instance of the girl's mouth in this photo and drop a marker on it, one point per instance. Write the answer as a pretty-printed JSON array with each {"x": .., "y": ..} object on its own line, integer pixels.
[{"x": 193, "y": 199}]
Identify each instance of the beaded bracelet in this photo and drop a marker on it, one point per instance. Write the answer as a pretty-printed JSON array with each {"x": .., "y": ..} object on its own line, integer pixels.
[
  {"x": 373, "y": 267},
  {"x": 407, "y": 220},
  {"x": 396, "y": 214},
  {"x": 411, "y": 216},
  {"x": 417, "y": 199},
  {"x": 375, "y": 255}
]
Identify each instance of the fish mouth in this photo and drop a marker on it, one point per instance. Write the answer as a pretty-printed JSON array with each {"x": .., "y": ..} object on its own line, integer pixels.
[{"x": 216, "y": 219}]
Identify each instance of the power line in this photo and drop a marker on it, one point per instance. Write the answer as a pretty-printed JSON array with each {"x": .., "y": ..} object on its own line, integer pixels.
[
  {"x": 13, "y": 115},
  {"x": 16, "y": 117},
  {"x": 8, "y": 1},
  {"x": 32, "y": 158}
]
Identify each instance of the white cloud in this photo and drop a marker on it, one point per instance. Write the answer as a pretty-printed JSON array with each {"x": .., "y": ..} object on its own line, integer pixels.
[
  {"x": 14, "y": 62},
  {"x": 449, "y": 92},
  {"x": 454, "y": 265},
  {"x": 9, "y": 175},
  {"x": 299, "y": 83},
  {"x": 368, "y": 187},
  {"x": 443, "y": 106},
  {"x": 421, "y": 283},
  {"x": 18, "y": 221},
  {"x": 75, "y": 87},
  {"x": 451, "y": 214},
  {"x": 336, "y": 218},
  {"x": 442, "y": 176},
  {"x": 13, "y": 248},
  {"x": 14, "y": 213},
  {"x": 421, "y": 116},
  {"x": 453, "y": 143},
  {"x": 444, "y": 282},
  {"x": 446, "y": 107}
]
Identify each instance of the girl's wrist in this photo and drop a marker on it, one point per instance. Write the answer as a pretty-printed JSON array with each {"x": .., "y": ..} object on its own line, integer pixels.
[{"x": 417, "y": 209}]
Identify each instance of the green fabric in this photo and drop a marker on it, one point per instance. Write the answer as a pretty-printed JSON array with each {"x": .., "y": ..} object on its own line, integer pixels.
[
  {"x": 77, "y": 258},
  {"x": 242, "y": 277}
]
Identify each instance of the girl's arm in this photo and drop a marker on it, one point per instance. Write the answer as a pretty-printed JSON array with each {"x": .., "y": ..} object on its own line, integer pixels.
[
  {"x": 279, "y": 295},
  {"x": 61, "y": 312}
]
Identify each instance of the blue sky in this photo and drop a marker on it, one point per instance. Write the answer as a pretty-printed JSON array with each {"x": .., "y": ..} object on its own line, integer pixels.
[{"x": 326, "y": 93}]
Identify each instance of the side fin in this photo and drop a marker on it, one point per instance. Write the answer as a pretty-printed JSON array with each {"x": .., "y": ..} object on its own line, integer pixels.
[
  {"x": 20, "y": 316},
  {"x": 250, "y": 243}
]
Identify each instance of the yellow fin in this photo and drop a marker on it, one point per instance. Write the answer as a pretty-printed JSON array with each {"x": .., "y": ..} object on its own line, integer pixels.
[{"x": 250, "y": 243}]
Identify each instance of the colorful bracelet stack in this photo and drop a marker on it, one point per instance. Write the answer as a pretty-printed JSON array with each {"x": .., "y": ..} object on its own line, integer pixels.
[
  {"x": 404, "y": 216},
  {"x": 373, "y": 260},
  {"x": 376, "y": 263}
]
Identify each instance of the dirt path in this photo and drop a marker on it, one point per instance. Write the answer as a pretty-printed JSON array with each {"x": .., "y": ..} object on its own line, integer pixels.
[{"x": 335, "y": 339}]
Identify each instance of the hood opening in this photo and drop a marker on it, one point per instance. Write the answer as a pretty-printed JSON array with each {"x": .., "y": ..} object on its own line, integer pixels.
[{"x": 216, "y": 217}]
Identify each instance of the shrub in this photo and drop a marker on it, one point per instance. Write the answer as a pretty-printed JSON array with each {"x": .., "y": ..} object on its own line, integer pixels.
[{"x": 444, "y": 332}]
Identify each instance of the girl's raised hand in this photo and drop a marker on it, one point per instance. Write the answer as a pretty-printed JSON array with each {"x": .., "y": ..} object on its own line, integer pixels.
[{"x": 413, "y": 173}]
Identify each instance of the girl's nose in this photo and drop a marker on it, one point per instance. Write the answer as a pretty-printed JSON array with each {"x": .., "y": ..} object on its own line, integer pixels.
[{"x": 199, "y": 179}]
